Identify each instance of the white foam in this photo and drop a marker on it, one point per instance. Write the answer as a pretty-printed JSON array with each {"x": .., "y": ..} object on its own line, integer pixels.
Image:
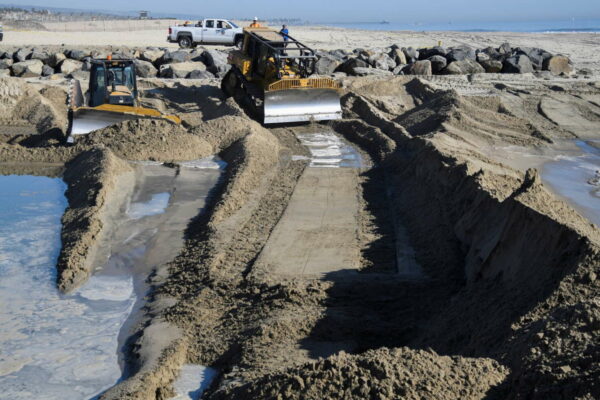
[
  {"x": 157, "y": 205},
  {"x": 193, "y": 380}
]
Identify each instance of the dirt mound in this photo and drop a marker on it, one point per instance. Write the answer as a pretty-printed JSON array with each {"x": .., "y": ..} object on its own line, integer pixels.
[
  {"x": 95, "y": 183},
  {"x": 378, "y": 374},
  {"x": 147, "y": 139},
  {"x": 24, "y": 104}
]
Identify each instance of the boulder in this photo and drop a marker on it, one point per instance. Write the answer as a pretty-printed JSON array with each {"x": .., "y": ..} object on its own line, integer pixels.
[
  {"x": 362, "y": 71},
  {"x": 174, "y": 57},
  {"x": 78, "y": 74},
  {"x": 21, "y": 55},
  {"x": 326, "y": 65},
  {"x": 438, "y": 63},
  {"x": 460, "y": 54},
  {"x": 482, "y": 57},
  {"x": 4, "y": 73},
  {"x": 558, "y": 65},
  {"x": 491, "y": 53},
  {"x": 55, "y": 59},
  {"x": 426, "y": 54},
  {"x": 351, "y": 63},
  {"x": 41, "y": 55},
  {"x": 505, "y": 49},
  {"x": 6, "y": 63},
  {"x": 519, "y": 64},
  {"x": 536, "y": 56},
  {"x": 399, "y": 70},
  {"x": 180, "y": 70},
  {"x": 491, "y": 66},
  {"x": 28, "y": 68},
  {"x": 463, "y": 67},
  {"x": 69, "y": 66},
  {"x": 78, "y": 55},
  {"x": 200, "y": 75},
  {"x": 398, "y": 56},
  {"x": 151, "y": 55},
  {"x": 339, "y": 54},
  {"x": 87, "y": 64},
  {"x": 382, "y": 61},
  {"x": 47, "y": 70},
  {"x": 411, "y": 54},
  {"x": 422, "y": 67},
  {"x": 216, "y": 61},
  {"x": 145, "y": 69}
]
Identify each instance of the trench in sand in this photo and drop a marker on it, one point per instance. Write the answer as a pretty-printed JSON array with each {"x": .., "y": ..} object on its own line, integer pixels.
[{"x": 70, "y": 345}]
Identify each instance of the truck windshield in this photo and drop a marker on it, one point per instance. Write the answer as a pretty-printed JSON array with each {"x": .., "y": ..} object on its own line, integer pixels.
[{"x": 233, "y": 24}]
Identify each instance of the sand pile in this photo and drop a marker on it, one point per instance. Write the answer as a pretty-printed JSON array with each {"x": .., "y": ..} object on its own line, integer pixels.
[{"x": 378, "y": 374}]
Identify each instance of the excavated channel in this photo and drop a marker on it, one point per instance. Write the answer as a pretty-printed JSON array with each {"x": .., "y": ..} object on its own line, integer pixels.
[{"x": 68, "y": 346}]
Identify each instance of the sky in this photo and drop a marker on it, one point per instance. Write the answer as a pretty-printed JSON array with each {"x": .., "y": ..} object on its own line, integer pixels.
[{"x": 351, "y": 10}]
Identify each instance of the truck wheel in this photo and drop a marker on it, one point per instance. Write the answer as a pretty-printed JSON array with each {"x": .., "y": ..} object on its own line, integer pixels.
[
  {"x": 239, "y": 42},
  {"x": 185, "y": 42}
]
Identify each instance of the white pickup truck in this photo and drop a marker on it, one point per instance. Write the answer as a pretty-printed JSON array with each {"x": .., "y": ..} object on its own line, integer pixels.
[{"x": 209, "y": 31}]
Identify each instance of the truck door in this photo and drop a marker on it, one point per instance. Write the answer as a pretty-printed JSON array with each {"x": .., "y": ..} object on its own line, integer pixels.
[
  {"x": 224, "y": 32},
  {"x": 209, "y": 32}
]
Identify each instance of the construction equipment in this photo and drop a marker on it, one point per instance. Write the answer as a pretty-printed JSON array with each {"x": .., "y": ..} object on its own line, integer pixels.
[
  {"x": 272, "y": 74},
  {"x": 112, "y": 98}
]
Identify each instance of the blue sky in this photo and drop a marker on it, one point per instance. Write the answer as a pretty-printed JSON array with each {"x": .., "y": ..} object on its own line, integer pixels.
[{"x": 353, "y": 10}]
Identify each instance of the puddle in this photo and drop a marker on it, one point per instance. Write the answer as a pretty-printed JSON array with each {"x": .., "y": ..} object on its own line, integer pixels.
[
  {"x": 575, "y": 177},
  {"x": 53, "y": 346},
  {"x": 56, "y": 346},
  {"x": 193, "y": 381},
  {"x": 328, "y": 150}
]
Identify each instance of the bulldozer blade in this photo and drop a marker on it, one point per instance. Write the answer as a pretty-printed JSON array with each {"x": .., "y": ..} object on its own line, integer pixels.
[
  {"x": 84, "y": 121},
  {"x": 301, "y": 105}
]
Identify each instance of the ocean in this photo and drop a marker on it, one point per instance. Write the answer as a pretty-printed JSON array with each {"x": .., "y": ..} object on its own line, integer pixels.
[{"x": 550, "y": 26}]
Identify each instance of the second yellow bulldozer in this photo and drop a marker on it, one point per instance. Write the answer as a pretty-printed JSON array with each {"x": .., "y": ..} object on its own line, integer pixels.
[
  {"x": 272, "y": 72},
  {"x": 112, "y": 97}
]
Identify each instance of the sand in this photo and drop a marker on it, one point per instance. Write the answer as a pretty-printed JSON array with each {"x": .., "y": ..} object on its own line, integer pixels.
[{"x": 505, "y": 301}]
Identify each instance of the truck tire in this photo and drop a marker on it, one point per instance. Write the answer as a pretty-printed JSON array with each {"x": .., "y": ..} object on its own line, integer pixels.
[
  {"x": 185, "y": 42},
  {"x": 239, "y": 42}
]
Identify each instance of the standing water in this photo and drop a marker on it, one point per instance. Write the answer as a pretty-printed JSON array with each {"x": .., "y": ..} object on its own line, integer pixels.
[{"x": 56, "y": 346}]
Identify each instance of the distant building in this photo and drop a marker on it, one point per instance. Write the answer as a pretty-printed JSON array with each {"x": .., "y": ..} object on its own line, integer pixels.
[{"x": 144, "y": 14}]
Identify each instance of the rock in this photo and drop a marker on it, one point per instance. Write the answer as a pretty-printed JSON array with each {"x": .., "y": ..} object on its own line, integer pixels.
[
  {"x": 520, "y": 64},
  {"x": 339, "y": 54},
  {"x": 5, "y": 54},
  {"x": 463, "y": 67},
  {"x": 382, "y": 61},
  {"x": 174, "y": 57},
  {"x": 28, "y": 68},
  {"x": 351, "y": 63},
  {"x": 438, "y": 63},
  {"x": 21, "y": 55},
  {"x": 55, "y": 59},
  {"x": 558, "y": 65},
  {"x": 411, "y": 54},
  {"x": 398, "y": 56},
  {"x": 216, "y": 61},
  {"x": 536, "y": 56},
  {"x": 326, "y": 65},
  {"x": 200, "y": 75},
  {"x": 6, "y": 63},
  {"x": 426, "y": 54},
  {"x": 79, "y": 75},
  {"x": 151, "y": 55},
  {"x": 68, "y": 66},
  {"x": 145, "y": 69},
  {"x": 362, "y": 71},
  {"x": 460, "y": 54},
  {"x": 87, "y": 64},
  {"x": 77, "y": 54},
  {"x": 339, "y": 75},
  {"x": 491, "y": 53},
  {"x": 47, "y": 70},
  {"x": 124, "y": 54},
  {"x": 399, "y": 70},
  {"x": 505, "y": 49},
  {"x": 422, "y": 67},
  {"x": 39, "y": 55},
  {"x": 4, "y": 73},
  {"x": 591, "y": 277},
  {"x": 482, "y": 57},
  {"x": 180, "y": 70},
  {"x": 491, "y": 66}
]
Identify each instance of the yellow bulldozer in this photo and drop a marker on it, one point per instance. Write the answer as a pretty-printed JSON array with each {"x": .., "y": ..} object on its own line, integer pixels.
[
  {"x": 112, "y": 97},
  {"x": 272, "y": 73}
]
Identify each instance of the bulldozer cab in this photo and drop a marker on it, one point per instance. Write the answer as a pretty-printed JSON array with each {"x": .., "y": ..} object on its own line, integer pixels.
[
  {"x": 274, "y": 58},
  {"x": 112, "y": 82}
]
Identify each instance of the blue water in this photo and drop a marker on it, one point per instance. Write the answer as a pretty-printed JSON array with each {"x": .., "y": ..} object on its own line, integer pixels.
[
  {"x": 52, "y": 346},
  {"x": 566, "y": 25}
]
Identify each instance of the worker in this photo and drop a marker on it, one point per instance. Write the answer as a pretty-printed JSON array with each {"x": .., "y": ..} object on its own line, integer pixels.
[
  {"x": 186, "y": 23},
  {"x": 255, "y": 23},
  {"x": 285, "y": 33}
]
